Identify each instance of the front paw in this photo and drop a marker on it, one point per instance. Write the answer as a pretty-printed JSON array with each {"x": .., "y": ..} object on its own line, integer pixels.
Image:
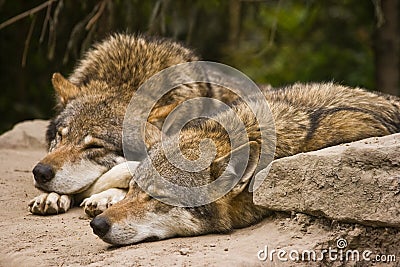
[
  {"x": 97, "y": 203},
  {"x": 50, "y": 203}
]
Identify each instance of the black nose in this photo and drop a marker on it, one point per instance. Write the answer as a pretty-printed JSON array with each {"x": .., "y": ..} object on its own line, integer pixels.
[
  {"x": 43, "y": 173},
  {"x": 100, "y": 226}
]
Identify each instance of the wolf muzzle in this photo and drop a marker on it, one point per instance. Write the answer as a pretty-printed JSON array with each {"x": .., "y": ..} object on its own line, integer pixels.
[{"x": 43, "y": 173}]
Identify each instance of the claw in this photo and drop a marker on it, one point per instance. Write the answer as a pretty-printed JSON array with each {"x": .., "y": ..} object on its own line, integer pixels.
[
  {"x": 50, "y": 203},
  {"x": 98, "y": 203}
]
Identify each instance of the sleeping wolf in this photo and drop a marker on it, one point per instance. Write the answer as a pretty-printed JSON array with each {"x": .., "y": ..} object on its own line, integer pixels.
[
  {"x": 84, "y": 139},
  {"x": 307, "y": 117}
]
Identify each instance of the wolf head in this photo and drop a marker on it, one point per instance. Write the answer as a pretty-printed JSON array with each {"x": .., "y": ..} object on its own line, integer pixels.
[
  {"x": 146, "y": 213},
  {"x": 84, "y": 139}
]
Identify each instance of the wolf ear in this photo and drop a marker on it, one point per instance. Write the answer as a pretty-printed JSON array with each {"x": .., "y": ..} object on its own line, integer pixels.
[
  {"x": 65, "y": 90},
  {"x": 229, "y": 168},
  {"x": 152, "y": 135},
  {"x": 160, "y": 113}
]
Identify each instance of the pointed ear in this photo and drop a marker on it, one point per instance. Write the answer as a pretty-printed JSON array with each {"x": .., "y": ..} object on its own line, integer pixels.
[
  {"x": 158, "y": 114},
  {"x": 65, "y": 90},
  {"x": 152, "y": 135},
  {"x": 229, "y": 168}
]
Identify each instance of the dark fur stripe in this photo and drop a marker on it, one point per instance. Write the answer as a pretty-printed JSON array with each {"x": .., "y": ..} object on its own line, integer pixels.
[{"x": 318, "y": 115}]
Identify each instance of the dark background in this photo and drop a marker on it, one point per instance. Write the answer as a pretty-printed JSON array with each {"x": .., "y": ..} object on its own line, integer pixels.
[{"x": 278, "y": 42}]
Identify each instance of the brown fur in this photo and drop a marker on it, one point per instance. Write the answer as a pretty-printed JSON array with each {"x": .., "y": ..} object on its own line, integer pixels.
[
  {"x": 307, "y": 117},
  {"x": 93, "y": 101}
]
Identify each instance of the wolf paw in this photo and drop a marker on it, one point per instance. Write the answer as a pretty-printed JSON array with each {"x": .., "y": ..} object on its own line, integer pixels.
[
  {"x": 97, "y": 203},
  {"x": 50, "y": 203}
]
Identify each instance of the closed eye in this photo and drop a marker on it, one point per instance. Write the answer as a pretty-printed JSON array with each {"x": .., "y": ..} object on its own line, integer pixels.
[{"x": 93, "y": 146}]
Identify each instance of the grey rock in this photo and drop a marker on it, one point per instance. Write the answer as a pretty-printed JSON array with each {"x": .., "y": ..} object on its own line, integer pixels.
[
  {"x": 357, "y": 182},
  {"x": 25, "y": 135}
]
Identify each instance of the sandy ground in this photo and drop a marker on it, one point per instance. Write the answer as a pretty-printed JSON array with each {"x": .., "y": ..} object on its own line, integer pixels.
[{"x": 67, "y": 239}]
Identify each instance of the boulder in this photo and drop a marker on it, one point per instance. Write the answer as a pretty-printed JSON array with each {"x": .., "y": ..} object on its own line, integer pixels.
[
  {"x": 357, "y": 182},
  {"x": 25, "y": 135}
]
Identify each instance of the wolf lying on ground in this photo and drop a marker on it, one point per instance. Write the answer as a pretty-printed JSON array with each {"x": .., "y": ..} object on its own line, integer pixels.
[
  {"x": 84, "y": 139},
  {"x": 307, "y": 117},
  {"x": 85, "y": 159}
]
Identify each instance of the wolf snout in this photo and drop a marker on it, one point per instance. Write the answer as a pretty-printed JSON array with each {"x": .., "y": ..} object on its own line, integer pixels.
[
  {"x": 43, "y": 173},
  {"x": 100, "y": 226}
]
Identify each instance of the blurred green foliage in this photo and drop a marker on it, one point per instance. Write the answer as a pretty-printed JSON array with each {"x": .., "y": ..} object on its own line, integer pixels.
[
  {"x": 307, "y": 41},
  {"x": 276, "y": 41}
]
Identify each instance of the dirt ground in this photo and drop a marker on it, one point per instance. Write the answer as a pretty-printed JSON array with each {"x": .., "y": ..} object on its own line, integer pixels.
[{"x": 67, "y": 239}]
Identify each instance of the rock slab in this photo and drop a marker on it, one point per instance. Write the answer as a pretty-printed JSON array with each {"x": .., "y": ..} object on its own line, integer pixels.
[
  {"x": 357, "y": 182},
  {"x": 25, "y": 135}
]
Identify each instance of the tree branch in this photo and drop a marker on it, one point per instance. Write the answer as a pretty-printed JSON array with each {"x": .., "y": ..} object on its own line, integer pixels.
[
  {"x": 28, "y": 41},
  {"x": 26, "y": 13},
  {"x": 76, "y": 31},
  {"x": 94, "y": 19},
  {"x": 45, "y": 23}
]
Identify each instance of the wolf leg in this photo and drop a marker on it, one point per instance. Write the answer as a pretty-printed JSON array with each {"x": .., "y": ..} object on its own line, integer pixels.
[
  {"x": 117, "y": 177},
  {"x": 98, "y": 203},
  {"x": 110, "y": 188},
  {"x": 50, "y": 203}
]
